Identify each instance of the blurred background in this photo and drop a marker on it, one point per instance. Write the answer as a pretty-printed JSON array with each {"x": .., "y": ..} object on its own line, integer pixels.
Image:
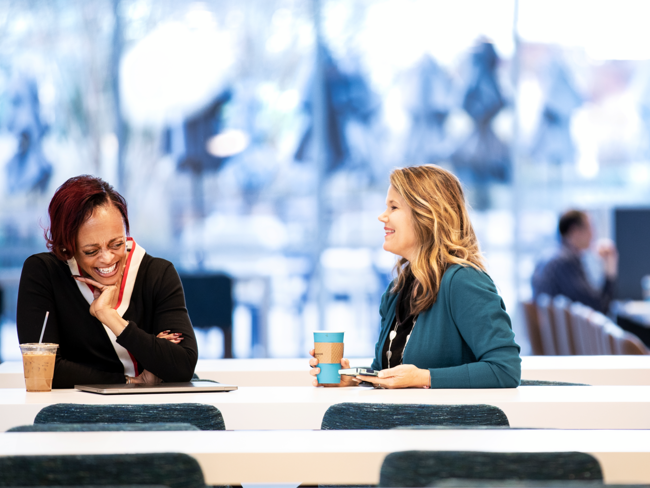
[{"x": 253, "y": 140}]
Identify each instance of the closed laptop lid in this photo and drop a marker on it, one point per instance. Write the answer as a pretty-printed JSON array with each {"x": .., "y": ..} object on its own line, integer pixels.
[{"x": 194, "y": 386}]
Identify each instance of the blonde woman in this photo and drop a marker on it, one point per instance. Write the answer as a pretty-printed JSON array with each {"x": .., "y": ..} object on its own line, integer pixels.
[{"x": 443, "y": 323}]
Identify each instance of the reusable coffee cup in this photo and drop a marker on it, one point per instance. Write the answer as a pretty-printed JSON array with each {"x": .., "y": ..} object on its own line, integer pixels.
[
  {"x": 328, "y": 347},
  {"x": 38, "y": 365}
]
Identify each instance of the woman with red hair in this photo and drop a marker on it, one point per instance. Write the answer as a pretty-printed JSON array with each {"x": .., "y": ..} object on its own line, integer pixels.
[{"x": 117, "y": 313}]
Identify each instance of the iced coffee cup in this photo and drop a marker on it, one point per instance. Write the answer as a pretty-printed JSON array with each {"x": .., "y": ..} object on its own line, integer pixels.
[
  {"x": 38, "y": 364},
  {"x": 328, "y": 348}
]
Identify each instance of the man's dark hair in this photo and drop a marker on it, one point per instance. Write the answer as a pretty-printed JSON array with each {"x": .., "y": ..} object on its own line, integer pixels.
[{"x": 570, "y": 220}]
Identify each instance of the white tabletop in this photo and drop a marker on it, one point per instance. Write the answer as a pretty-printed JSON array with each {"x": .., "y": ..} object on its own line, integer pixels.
[
  {"x": 337, "y": 457},
  {"x": 566, "y": 407},
  {"x": 593, "y": 370}
]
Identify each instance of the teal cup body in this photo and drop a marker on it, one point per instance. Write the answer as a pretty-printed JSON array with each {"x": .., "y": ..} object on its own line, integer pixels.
[{"x": 328, "y": 348}]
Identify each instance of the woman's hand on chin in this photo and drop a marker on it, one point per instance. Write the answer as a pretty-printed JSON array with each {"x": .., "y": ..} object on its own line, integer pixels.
[
  {"x": 345, "y": 380},
  {"x": 102, "y": 307},
  {"x": 105, "y": 296},
  {"x": 402, "y": 376}
]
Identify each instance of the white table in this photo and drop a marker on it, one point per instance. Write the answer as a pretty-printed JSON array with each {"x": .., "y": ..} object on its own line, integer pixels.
[
  {"x": 593, "y": 370},
  {"x": 565, "y": 407},
  {"x": 314, "y": 457},
  {"x": 242, "y": 372}
]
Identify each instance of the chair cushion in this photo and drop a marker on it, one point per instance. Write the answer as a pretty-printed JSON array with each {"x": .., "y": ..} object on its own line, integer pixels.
[{"x": 549, "y": 383}]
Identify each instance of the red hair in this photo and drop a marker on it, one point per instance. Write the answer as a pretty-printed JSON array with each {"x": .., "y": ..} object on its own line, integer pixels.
[{"x": 72, "y": 204}]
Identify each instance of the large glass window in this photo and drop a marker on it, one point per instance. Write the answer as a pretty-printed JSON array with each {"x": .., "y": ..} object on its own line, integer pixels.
[{"x": 254, "y": 138}]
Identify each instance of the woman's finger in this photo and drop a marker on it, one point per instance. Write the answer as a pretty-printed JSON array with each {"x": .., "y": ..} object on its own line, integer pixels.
[
  {"x": 349, "y": 381},
  {"x": 173, "y": 339},
  {"x": 312, "y": 352},
  {"x": 314, "y": 371},
  {"x": 371, "y": 379},
  {"x": 313, "y": 362},
  {"x": 389, "y": 372}
]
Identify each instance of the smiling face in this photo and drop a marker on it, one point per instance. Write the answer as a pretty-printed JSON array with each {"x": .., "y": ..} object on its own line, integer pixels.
[
  {"x": 101, "y": 245},
  {"x": 400, "y": 235}
]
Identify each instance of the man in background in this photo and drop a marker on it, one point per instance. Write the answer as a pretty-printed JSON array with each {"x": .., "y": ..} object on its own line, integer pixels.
[{"x": 564, "y": 274}]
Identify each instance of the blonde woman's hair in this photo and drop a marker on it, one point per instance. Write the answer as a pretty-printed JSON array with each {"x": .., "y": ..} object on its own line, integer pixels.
[{"x": 442, "y": 227}]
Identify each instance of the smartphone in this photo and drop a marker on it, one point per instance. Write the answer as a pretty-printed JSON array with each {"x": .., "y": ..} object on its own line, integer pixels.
[{"x": 357, "y": 371}]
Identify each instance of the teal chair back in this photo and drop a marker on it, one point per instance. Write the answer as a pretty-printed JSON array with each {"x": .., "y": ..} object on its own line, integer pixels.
[
  {"x": 173, "y": 470},
  {"x": 205, "y": 417},
  {"x": 463, "y": 483},
  {"x": 360, "y": 416},
  {"x": 424, "y": 468}
]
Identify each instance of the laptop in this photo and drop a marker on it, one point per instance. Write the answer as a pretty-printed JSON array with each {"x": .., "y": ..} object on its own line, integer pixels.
[{"x": 194, "y": 386}]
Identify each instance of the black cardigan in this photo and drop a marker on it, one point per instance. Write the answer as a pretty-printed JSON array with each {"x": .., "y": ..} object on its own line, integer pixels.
[{"x": 85, "y": 354}]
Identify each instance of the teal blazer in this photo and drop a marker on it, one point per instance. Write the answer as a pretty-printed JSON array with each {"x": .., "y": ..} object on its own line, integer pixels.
[{"x": 465, "y": 339}]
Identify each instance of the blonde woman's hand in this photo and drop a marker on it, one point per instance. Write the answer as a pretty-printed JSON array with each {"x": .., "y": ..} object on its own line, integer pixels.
[
  {"x": 176, "y": 337},
  {"x": 402, "y": 376},
  {"x": 345, "y": 380}
]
